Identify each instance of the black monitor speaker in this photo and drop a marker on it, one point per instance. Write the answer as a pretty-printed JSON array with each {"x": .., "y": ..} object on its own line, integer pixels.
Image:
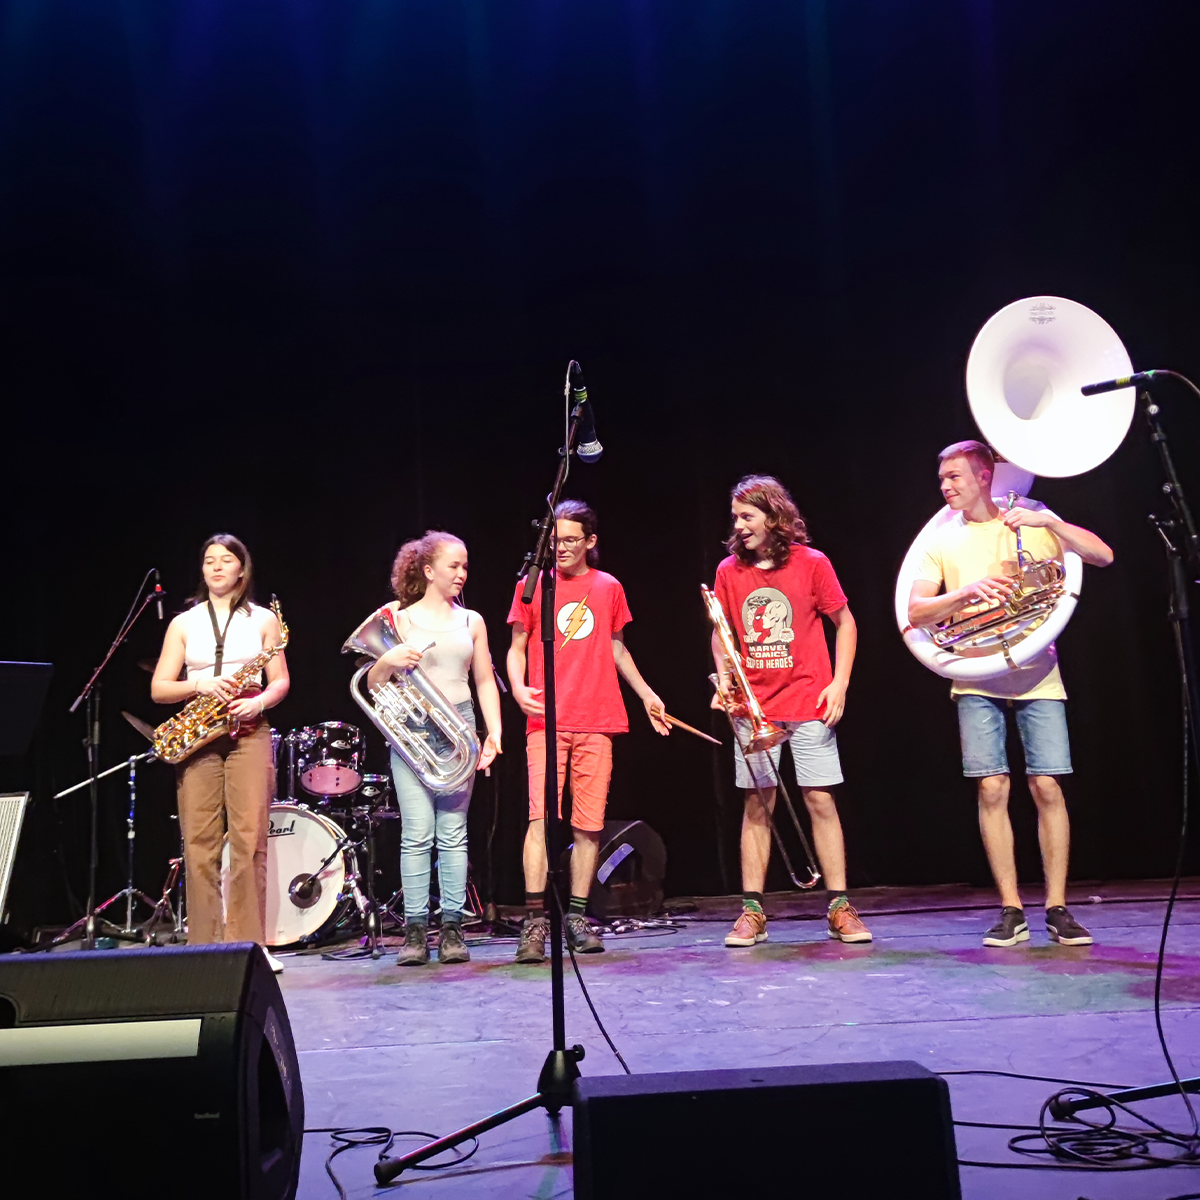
[
  {"x": 854, "y": 1131},
  {"x": 630, "y": 869},
  {"x": 164, "y": 1072}
]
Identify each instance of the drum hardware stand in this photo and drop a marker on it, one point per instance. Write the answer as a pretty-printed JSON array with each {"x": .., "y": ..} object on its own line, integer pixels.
[
  {"x": 91, "y": 741},
  {"x": 560, "y": 1070},
  {"x": 164, "y": 911},
  {"x": 128, "y": 893}
]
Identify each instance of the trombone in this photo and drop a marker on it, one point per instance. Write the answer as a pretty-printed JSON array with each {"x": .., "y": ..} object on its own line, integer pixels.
[{"x": 764, "y": 734}]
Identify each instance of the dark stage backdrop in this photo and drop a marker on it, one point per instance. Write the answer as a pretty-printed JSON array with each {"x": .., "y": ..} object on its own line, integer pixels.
[{"x": 313, "y": 272}]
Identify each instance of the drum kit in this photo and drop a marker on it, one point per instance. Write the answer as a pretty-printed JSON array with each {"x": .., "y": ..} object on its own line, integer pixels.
[{"x": 321, "y": 869}]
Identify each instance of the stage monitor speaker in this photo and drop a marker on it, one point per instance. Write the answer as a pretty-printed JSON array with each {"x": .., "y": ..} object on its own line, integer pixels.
[
  {"x": 630, "y": 869},
  {"x": 678, "y": 1134},
  {"x": 145, "y": 1073}
]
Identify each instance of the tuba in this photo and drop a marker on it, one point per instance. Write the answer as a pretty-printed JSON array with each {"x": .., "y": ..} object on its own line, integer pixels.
[
  {"x": 1024, "y": 374},
  {"x": 204, "y": 718},
  {"x": 404, "y": 711}
]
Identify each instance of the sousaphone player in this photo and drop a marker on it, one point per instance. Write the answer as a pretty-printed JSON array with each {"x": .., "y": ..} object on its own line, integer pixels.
[{"x": 993, "y": 578}]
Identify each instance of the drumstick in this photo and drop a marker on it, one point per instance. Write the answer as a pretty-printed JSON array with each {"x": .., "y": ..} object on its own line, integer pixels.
[{"x": 670, "y": 720}]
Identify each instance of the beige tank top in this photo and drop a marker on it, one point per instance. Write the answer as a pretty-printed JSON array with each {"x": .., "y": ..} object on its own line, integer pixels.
[{"x": 448, "y": 661}]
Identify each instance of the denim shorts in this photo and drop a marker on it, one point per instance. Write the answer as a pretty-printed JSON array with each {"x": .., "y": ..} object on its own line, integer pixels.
[
  {"x": 814, "y": 756},
  {"x": 1042, "y": 724}
]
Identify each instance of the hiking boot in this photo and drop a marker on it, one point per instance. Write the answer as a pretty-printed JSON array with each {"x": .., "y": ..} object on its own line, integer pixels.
[
  {"x": 846, "y": 925},
  {"x": 1064, "y": 929},
  {"x": 534, "y": 932},
  {"x": 451, "y": 947},
  {"x": 415, "y": 951},
  {"x": 581, "y": 937},
  {"x": 749, "y": 928},
  {"x": 1009, "y": 930}
]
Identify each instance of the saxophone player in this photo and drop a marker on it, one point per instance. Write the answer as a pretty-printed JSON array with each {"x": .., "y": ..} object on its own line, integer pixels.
[
  {"x": 974, "y": 559},
  {"x": 775, "y": 588},
  {"x": 449, "y": 641},
  {"x": 228, "y": 783}
]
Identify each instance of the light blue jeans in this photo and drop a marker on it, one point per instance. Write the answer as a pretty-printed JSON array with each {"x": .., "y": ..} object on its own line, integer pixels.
[{"x": 428, "y": 817}]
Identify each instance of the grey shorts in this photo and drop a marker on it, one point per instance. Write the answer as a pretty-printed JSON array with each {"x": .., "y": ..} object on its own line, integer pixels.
[{"x": 814, "y": 756}]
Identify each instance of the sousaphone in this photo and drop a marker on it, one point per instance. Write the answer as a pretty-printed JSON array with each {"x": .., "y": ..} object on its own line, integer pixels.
[{"x": 1024, "y": 374}]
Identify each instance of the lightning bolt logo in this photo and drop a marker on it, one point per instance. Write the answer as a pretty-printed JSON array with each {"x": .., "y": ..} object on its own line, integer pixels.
[{"x": 578, "y": 620}]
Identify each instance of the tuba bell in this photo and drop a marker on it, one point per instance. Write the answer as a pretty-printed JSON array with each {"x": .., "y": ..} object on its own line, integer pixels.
[
  {"x": 1024, "y": 374},
  {"x": 405, "y": 710}
]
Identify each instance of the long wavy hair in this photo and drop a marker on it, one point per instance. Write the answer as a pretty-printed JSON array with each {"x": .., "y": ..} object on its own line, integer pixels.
[
  {"x": 408, "y": 571},
  {"x": 582, "y": 515},
  {"x": 245, "y": 592},
  {"x": 785, "y": 525}
]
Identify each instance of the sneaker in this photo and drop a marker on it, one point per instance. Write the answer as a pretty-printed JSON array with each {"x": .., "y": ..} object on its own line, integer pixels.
[
  {"x": 534, "y": 932},
  {"x": 749, "y": 928},
  {"x": 846, "y": 925},
  {"x": 277, "y": 967},
  {"x": 581, "y": 937},
  {"x": 451, "y": 947},
  {"x": 415, "y": 951},
  {"x": 1064, "y": 929},
  {"x": 1009, "y": 930}
]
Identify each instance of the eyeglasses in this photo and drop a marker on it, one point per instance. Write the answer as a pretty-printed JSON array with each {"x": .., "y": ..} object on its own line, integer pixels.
[{"x": 571, "y": 542}]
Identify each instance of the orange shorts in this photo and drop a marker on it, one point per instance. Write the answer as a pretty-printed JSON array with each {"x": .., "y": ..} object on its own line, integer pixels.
[{"x": 590, "y": 756}]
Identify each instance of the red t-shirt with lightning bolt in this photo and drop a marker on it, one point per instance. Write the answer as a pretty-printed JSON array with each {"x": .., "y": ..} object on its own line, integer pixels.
[{"x": 589, "y": 609}]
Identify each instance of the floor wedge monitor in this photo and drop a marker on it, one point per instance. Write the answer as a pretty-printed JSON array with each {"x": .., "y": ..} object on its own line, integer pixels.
[
  {"x": 651, "y": 1136},
  {"x": 156, "y": 1072}
]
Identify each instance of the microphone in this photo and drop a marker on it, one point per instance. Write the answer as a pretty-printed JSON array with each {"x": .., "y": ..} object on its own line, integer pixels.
[
  {"x": 158, "y": 592},
  {"x": 1115, "y": 385},
  {"x": 589, "y": 448}
]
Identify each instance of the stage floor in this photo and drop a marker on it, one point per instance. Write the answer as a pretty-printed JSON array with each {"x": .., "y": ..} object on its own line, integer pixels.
[{"x": 435, "y": 1048}]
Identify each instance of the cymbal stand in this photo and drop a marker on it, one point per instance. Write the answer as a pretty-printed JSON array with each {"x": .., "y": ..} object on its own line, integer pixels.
[
  {"x": 128, "y": 893},
  {"x": 91, "y": 742}
]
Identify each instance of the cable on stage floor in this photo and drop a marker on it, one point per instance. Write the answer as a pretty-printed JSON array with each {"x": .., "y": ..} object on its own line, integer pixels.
[{"x": 380, "y": 1135}]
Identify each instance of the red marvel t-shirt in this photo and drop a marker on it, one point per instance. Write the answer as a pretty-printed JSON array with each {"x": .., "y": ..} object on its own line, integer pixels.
[
  {"x": 589, "y": 609},
  {"x": 776, "y": 616}
]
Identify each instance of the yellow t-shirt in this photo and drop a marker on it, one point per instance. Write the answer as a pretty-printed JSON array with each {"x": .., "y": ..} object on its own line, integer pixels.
[{"x": 963, "y": 551}]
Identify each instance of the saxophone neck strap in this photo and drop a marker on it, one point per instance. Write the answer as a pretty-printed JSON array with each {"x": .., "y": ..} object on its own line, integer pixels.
[{"x": 219, "y": 635}]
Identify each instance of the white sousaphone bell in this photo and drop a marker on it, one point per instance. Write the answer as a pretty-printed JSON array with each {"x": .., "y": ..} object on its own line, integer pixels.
[{"x": 1024, "y": 375}]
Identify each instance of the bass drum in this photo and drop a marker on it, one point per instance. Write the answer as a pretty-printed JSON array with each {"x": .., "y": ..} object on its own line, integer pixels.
[{"x": 299, "y": 842}]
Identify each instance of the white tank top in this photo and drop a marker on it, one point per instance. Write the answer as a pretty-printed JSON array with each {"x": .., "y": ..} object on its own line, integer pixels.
[
  {"x": 448, "y": 661},
  {"x": 243, "y": 641}
]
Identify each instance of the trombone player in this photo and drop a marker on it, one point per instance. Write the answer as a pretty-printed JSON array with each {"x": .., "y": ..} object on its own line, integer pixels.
[
  {"x": 775, "y": 588},
  {"x": 973, "y": 558}
]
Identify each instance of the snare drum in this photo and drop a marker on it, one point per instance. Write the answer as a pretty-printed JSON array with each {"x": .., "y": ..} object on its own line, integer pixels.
[
  {"x": 376, "y": 794},
  {"x": 299, "y": 842},
  {"x": 330, "y": 758}
]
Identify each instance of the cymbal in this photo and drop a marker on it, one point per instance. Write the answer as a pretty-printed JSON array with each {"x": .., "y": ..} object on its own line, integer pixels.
[
  {"x": 147, "y": 731},
  {"x": 148, "y": 665}
]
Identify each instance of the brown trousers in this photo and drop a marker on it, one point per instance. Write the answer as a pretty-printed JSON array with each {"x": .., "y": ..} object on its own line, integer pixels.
[{"x": 227, "y": 787}]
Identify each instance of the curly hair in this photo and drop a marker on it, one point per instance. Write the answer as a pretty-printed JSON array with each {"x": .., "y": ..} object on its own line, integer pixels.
[
  {"x": 244, "y": 594},
  {"x": 785, "y": 525},
  {"x": 582, "y": 515},
  {"x": 408, "y": 571}
]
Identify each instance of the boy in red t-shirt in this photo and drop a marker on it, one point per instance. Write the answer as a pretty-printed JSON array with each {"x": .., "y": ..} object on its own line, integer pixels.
[
  {"x": 774, "y": 589},
  {"x": 589, "y": 651}
]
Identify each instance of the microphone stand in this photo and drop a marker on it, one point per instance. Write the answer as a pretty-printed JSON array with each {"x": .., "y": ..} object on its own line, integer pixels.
[
  {"x": 1182, "y": 546},
  {"x": 91, "y": 742},
  {"x": 560, "y": 1070}
]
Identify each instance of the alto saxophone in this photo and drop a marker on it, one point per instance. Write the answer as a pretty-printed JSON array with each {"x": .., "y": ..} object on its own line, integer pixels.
[{"x": 205, "y": 718}]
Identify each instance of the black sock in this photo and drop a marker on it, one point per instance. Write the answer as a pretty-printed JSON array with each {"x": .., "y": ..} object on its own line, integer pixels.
[
  {"x": 535, "y": 904},
  {"x": 753, "y": 901},
  {"x": 578, "y": 905}
]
